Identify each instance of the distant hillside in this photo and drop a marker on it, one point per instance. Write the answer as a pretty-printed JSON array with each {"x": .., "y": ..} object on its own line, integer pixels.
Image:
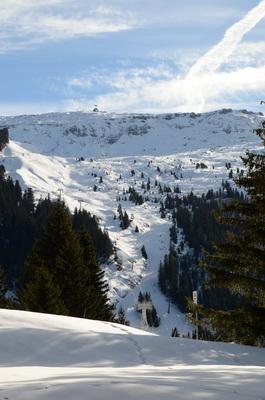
[{"x": 98, "y": 134}]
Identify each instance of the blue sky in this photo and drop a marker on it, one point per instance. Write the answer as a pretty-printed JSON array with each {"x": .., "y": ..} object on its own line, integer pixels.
[{"x": 131, "y": 55}]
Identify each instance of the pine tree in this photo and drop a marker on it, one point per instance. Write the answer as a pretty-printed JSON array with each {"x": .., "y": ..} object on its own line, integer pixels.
[
  {"x": 126, "y": 220},
  {"x": 155, "y": 318},
  {"x": 43, "y": 294},
  {"x": 174, "y": 332},
  {"x": 4, "y": 138},
  {"x": 84, "y": 220},
  {"x": 97, "y": 306},
  {"x": 162, "y": 211},
  {"x": 70, "y": 260},
  {"x": 162, "y": 279},
  {"x": 140, "y": 297},
  {"x": 58, "y": 251},
  {"x": 28, "y": 200},
  {"x": 239, "y": 263},
  {"x": 121, "y": 318},
  {"x": 3, "y": 288},
  {"x": 144, "y": 253}
]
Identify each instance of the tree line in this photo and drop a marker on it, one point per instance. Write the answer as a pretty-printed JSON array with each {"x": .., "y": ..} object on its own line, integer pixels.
[
  {"x": 218, "y": 248},
  {"x": 49, "y": 257}
]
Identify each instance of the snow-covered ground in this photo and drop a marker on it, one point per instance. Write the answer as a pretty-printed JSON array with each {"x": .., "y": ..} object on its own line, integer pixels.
[
  {"x": 61, "y": 358},
  {"x": 43, "y": 154}
]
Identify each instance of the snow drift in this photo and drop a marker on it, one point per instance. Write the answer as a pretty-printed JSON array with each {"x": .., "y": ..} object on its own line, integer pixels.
[{"x": 60, "y": 358}]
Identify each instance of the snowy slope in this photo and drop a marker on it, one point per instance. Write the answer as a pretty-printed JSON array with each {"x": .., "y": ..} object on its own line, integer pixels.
[
  {"x": 43, "y": 153},
  {"x": 62, "y": 358},
  {"x": 110, "y": 135}
]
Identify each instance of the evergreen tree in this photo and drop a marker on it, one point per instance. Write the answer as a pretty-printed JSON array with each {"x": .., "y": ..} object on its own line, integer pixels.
[
  {"x": 3, "y": 288},
  {"x": 126, "y": 220},
  {"x": 140, "y": 297},
  {"x": 43, "y": 294},
  {"x": 42, "y": 213},
  {"x": 98, "y": 306},
  {"x": 28, "y": 200},
  {"x": 162, "y": 279},
  {"x": 162, "y": 211},
  {"x": 144, "y": 253},
  {"x": 121, "y": 318},
  {"x": 239, "y": 263},
  {"x": 154, "y": 318},
  {"x": 17, "y": 227},
  {"x": 174, "y": 332},
  {"x": 84, "y": 220},
  {"x": 4, "y": 137},
  {"x": 68, "y": 258}
]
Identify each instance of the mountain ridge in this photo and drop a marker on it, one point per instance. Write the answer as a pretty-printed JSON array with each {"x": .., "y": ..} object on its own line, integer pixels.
[{"x": 117, "y": 134}]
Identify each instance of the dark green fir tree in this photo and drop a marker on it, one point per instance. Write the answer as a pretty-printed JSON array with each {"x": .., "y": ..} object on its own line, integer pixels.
[
  {"x": 3, "y": 289},
  {"x": 238, "y": 263},
  {"x": 121, "y": 317},
  {"x": 69, "y": 258},
  {"x": 43, "y": 295},
  {"x": 98, "y": 306}
]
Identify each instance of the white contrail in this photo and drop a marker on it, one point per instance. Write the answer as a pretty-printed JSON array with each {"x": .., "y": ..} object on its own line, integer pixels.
[{"x": 215, "y": 57}]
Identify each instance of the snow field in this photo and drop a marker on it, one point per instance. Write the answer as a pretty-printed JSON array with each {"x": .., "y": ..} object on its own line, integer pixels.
[{"x": 62, "y": 358}]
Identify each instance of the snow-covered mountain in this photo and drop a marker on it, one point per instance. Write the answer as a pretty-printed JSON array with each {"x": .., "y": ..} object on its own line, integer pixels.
[
  {"x": 119, "y": 135},
  {"x": 95, "y": 157},
  {"x": 61, "y": 358}
]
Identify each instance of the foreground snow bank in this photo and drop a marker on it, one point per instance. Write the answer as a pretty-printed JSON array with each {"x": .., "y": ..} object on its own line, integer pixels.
[{"x": 54, "y": 357}]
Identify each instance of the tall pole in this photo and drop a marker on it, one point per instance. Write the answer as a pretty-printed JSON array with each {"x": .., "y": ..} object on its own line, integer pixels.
[
  {"x": 60, "y": 193},
  {"x": 197, "y": 327},
  {"x": 195, "y": 301}
]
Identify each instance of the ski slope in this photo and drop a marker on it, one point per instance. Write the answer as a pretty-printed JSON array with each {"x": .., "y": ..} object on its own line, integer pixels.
[
  {"x": 44, "y": 150},
  {"x": 62, "y": 358}
]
